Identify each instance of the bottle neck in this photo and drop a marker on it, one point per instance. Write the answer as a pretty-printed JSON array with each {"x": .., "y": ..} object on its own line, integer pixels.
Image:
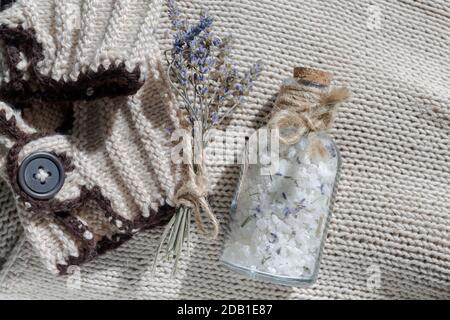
[{"x": 300, "y": 94}]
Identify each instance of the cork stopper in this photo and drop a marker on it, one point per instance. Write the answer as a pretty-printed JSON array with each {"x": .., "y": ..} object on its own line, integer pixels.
[{"x": 315, "y": 76}]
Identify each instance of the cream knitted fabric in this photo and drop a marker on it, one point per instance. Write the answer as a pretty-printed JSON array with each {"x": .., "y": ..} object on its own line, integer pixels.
[
  {"x": 119, "y": 178},
  {"x": 389, "y": 234},
  {"x": 10, "y": 228}
]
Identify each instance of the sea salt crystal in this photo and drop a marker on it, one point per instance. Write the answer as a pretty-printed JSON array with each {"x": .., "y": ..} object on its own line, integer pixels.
[
  {"x": 283, "y": 166},
  {"x": 280, "y": 220},
  {"x": 291, "y": 153}
]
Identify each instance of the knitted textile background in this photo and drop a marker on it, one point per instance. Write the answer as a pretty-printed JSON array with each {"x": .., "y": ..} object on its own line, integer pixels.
[{"x": 390, "y": 232}]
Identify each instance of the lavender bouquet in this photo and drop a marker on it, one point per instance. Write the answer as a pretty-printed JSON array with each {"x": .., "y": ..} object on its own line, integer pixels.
[{"x": 210, "y": 88}]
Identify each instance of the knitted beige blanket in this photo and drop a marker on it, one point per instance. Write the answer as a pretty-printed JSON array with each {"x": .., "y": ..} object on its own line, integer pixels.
[{"x": 390, "y": 232}]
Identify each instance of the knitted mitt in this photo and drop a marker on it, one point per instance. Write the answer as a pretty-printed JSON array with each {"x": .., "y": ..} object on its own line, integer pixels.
[
  {"x": 81, "y": 194},
  {"x": 74, "y": 49}
]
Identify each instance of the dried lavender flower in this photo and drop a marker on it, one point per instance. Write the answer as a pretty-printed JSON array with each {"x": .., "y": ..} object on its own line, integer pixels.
[
  {"x": 215, "y": 117},
  {"x": 202, "y": 72}
]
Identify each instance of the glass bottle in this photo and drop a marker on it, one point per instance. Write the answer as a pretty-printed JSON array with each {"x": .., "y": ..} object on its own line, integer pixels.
[{"x": 279, "y": 220}]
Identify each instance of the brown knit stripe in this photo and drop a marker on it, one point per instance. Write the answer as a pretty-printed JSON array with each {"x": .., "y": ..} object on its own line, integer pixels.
[
  {"x": 87, "y": 247},
  {"x": 9, "y": 128},
  {"x": 106, "y": 244},
  {"x": 90, "y": 250},
  {"x": 4, "y": 4},
  {"x": 114, "y": 81}
]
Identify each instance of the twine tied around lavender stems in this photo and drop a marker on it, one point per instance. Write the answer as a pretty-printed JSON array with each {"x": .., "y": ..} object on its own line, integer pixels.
[
  {"x": 192, "y": 194},
  {"x": 306, "y": 110}
]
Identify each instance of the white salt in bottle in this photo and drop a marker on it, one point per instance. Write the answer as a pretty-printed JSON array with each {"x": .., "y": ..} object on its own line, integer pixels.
[{"x": 281, "y": 211}]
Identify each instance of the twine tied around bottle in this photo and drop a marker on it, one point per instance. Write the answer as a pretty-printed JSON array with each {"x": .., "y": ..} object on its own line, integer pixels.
[
  {"x": 194, "y": 191},
  {"x": 306, "y": 105}
]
